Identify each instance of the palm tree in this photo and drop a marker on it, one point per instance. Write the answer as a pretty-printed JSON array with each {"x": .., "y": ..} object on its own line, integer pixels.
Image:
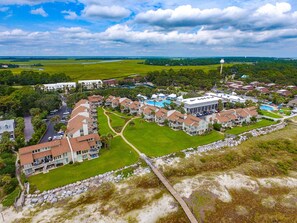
[{"x": 109, "y": 138}]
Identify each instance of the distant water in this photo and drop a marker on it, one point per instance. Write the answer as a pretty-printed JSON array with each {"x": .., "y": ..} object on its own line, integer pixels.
[{"x": 103, "y": 61}]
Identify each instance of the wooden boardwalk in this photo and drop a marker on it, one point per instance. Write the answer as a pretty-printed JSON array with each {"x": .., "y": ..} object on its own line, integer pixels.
[{"x": 162, "y": 178}]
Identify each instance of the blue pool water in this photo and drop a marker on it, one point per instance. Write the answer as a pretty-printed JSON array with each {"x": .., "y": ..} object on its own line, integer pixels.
[
  {"x": 266, "y": 108},
  {"x": 159, "y": 104}
]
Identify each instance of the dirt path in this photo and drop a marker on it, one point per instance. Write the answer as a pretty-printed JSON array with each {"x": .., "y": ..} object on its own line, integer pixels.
[{"x": 109, "y": 125}]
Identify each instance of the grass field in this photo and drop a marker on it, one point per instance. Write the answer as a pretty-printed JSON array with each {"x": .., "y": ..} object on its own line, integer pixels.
[
  {"x": 102, "y": 123},
  {"x": 117, "y": 122},
  {"x": 271, "y": 114},
  {"x": 118, "y": 156},
  {"x": 10, "y": 198},
  {"x": 154, "y": 140},
  {"x": 238, "y": 130},
  {"x": 89, "y": 69}
]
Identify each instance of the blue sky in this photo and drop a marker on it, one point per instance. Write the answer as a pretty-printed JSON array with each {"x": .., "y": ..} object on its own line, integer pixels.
[{"x": 148, "y": 28}]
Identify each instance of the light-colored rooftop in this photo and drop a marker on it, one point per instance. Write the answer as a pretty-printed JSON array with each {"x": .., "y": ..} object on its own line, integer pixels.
[
  {"x": 6, "y": 126},
  {"x": 198, "y": 100}
]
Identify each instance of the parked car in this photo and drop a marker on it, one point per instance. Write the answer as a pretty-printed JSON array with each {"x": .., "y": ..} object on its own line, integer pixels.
[{"x": 49, "y": 139}]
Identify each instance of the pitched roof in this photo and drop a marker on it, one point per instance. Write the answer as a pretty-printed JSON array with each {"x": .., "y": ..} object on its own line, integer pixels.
[
  {"x": 134, "y": 105},
  {"x": 176, "y": 116},
  {"x": 192, "y": 120},
  {"x": 161, "y": 113},
  {"x": 95, "y": 98},
  {"x": 80, "y": 102}
]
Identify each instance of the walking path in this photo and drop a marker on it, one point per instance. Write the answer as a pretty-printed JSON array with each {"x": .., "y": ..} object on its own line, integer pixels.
[
  {"x": 157, "y": 172},
  {"x": 108, "y": 122}
]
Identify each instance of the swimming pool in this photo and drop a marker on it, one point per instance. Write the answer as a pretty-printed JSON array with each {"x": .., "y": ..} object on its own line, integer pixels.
[
  {"x": 159, "y": 104},
  {"x": 267, "y": 108}
]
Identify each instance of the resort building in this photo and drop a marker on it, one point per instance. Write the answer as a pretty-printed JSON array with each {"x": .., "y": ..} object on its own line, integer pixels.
[
  {"x": 91, "y": 84},
  {"x": 7, "y": 126},
  {"x": 263, "y": 90},
  {"x": 199, "y": 104},
  {"x": 59, "y": 86},
  {"x": 110, "y": 82},
  {"x": 227, "y": 97},
  {"x": 44, "y": 156},
  {"x": 284, "y": 92}
]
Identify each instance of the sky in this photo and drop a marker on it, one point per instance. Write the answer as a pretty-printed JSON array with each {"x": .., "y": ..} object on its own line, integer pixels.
[{"x": 177, "y": 28}]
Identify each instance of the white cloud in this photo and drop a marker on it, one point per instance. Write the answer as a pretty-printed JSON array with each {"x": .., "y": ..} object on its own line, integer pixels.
[
  {"x": 108, "y": 12},
  {"x": 39, "y": 11},
  {"x": 29, "y": 2},
  {"x": 263, "y": 17},
  {"x": 68, "y": 14}
]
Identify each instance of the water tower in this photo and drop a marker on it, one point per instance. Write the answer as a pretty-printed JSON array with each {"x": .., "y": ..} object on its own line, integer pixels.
[{"x": 222, "y": 61}]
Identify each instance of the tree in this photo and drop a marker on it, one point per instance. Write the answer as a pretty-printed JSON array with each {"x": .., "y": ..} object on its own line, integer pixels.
[
  {"x": 217, "y": 126},
  {"x": 55, "y": 119},
  {"x": 220, "y": 105},
  {"x": 6, "y": 144},
  {"x": 132, "y": 124},
  {"x": 35, "y": 111}
]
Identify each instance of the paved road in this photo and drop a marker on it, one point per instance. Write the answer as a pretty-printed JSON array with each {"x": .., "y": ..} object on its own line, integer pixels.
[
  {"x": 28, "y": 131},
  {"x": 50, "y": 127}
]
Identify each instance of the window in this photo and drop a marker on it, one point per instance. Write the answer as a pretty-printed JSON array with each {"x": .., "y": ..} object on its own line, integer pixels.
[{"x": 78, "y": 152}]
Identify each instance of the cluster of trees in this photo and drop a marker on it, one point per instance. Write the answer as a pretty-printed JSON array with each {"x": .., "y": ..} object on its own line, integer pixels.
[
  {"x": 31, "y": 78},
  {"x": 202, "y": 61},
  {"x": 2, "y": 66},
  {"x": 18, "y": 102},
  {"x": 195, "y": 79},
  {"x": 39, "y": 125},
  {"x": 279, "y": 72}
]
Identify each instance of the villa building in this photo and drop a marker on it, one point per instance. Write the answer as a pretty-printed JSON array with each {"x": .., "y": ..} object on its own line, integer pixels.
[
  {"x": 134, "y": 107},
  {"x": 124, "y": 104},
  {"x": 232, "y": 117},
  {"x": 7, "y": 126},
  {"x": 148, "y": 112},
  {"x": 82, "y": 121},
  {"x": 176, "y": 120},
  {"x": 161, "y": 116},
  {"x": 194, "y": 126},
  {"x": 44, "y": 156},
  {"x": 91, "y": 84},
  {"x": 109, "y": 100}
]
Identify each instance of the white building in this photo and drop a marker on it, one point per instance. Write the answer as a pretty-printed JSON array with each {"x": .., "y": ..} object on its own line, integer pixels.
[
  {"x": 91, "y": 84},
  {"x": 7, "y": 126},
  {"x": 227, "y": 97},
  {"x": 199, "y": 104},
  {"x": 59, "y": 86}
]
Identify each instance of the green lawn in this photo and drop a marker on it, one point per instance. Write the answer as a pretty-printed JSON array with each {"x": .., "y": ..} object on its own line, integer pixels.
[
  {"x": 238, "y": 130},
  {"x": 154, "y": 140},
  {"x": 79, "y": 70},
  {"x": 271, "y": 114},
  {"x": 118, "y": 156},
  {"x": 117, "y": 122},
  {"x": 102, "y": 123}
]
